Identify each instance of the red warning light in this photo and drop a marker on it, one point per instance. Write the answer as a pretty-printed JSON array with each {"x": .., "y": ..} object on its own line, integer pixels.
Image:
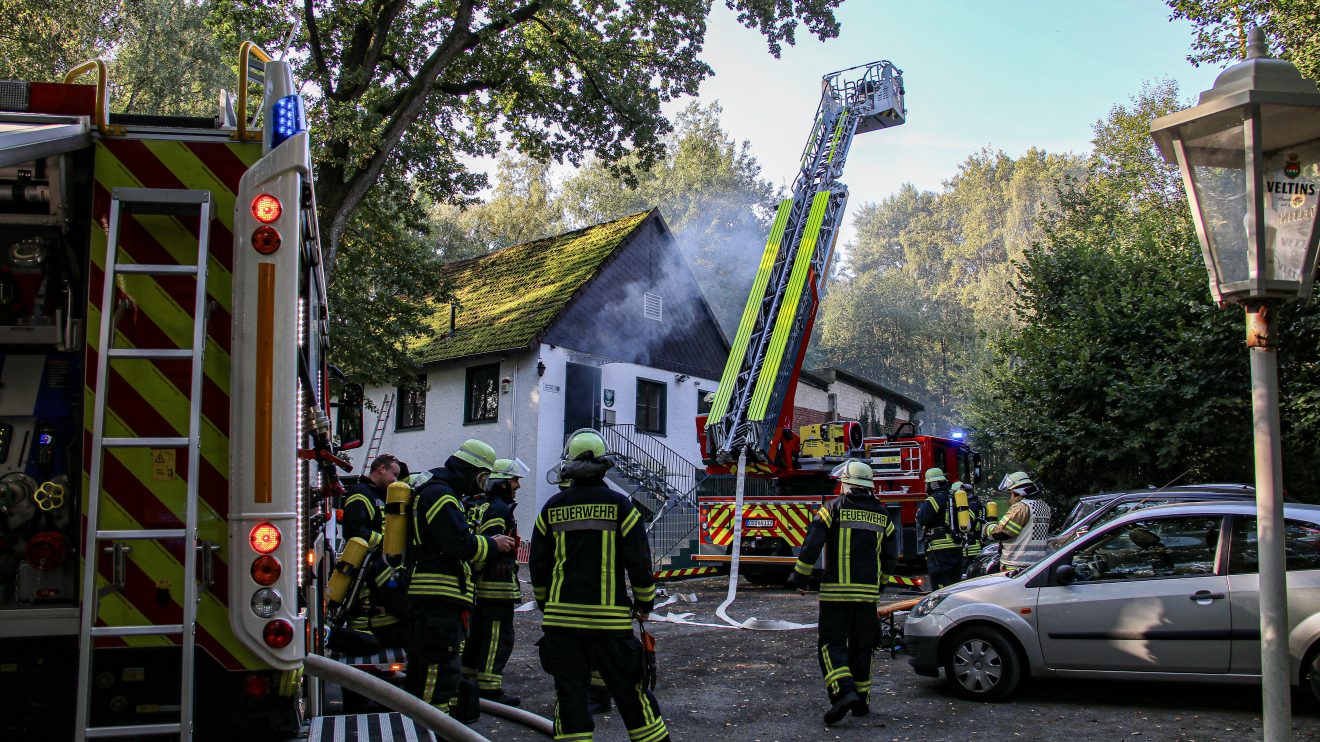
[
  {"x": 266, "y": 208},
  {"x": 264, "y": 538}
]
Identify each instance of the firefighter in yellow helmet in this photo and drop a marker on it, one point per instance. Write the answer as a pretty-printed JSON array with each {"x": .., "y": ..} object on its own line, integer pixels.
[
  {"x": 440, "y": 587},
  {"x": 1023, "y": 530},
  {"x": 944, "y": 549},
  {"x": 588, "y": 546},
  {"x": 857, "y": 537},
  {"x": 973, "y": 541},
  {"x": 491, "y": 642}
]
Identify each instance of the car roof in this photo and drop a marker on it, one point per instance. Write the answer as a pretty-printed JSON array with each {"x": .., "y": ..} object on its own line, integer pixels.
[
  {"x": 1218, "y": 507},
  {"x": 1182, "y": 490}
]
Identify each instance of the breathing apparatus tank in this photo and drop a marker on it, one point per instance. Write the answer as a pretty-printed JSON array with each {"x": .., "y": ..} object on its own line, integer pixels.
[
  {"x": 962, "y": 513},
  {"x": 397, "y": 497},
  {"x": 992, "y": 510},
  {"x": 345, "y": 574}
]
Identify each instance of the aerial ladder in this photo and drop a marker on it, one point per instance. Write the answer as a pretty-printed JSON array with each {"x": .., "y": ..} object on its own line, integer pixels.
[{"x": 754, "y": 403}]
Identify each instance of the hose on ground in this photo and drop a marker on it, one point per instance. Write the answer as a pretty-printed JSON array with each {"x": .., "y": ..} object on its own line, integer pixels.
[{"x": 518, "y": 716}]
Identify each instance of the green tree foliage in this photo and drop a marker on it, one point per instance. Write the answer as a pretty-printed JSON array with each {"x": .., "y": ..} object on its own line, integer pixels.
[
  {"x": 1221, "y": 29},
  {"x": 709, "y": 189},
  {"x": 927, "y": 281},
  {"x": 1122, "y": 372},
  {"x": 522, "y": 208}
]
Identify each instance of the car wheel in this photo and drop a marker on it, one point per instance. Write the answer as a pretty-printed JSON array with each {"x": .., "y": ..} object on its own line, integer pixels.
[
  {"x": 1313, "y": 673},
  {"x": 981, "y": 663}
]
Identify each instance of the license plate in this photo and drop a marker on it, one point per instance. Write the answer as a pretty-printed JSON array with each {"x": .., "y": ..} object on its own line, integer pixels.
[{"x": 760, "y": 522}]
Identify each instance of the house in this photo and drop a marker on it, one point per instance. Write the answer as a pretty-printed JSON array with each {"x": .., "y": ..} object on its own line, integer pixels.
[
  {"x": 831, "y": 393},
  {"x": 604, "y": 324}
]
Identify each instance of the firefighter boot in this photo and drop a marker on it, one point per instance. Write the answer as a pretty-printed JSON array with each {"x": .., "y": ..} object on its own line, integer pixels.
[
  {"x": 840, "y": 707},
  {"x": 863, "y": 705}
]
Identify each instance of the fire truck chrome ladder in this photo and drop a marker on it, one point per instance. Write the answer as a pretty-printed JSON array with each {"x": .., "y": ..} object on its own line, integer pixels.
[{"x": 148, "y": 201}]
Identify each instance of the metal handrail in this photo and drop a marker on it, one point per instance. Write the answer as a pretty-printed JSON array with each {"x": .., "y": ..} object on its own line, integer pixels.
[
  {"x": 246, "y": 49},
  {"x": 101, "y": 115}
]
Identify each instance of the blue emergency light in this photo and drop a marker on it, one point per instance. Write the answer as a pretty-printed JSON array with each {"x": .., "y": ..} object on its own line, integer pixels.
[
  {"x": 958, "y": 435},
  {"x": 287, "y": 119}
]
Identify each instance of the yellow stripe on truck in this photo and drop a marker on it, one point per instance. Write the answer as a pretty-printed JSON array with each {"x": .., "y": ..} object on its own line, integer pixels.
[
  {"x": 788, "y": 309},
  {"x": 733, "y": 366}
]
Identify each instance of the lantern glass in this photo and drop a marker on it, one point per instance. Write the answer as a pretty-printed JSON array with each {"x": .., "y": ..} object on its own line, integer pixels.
[
  {"x": 1290, "y": 159},
  {"x": 1217, "y": 162}
]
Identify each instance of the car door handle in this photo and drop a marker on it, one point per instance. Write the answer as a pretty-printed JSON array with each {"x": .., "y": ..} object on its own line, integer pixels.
[{"x": 1205, "y": 595}]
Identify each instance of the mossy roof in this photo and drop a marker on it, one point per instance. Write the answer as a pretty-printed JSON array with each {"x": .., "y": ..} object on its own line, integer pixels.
[{"x": 508, "y": 298}]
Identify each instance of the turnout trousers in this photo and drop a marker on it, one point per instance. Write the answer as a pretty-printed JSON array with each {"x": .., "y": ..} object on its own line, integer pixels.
[
  {"x": 436, "y": 630},
  {"x": 945, "y": 567},
  {"x": 570, "y": 657},
  {"x": 490, "y": 644},
  {"x": 847, "y": 636}
]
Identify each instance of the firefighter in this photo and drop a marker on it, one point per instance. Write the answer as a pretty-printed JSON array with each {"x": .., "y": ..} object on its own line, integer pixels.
[
  {"x": 857, "y": 536},
  {"x": 1023, "y": 530},
  {"x": 587, "y": 539},
  {"x": 380, "y": 606},
  {"x": 491, "y": 643},
  {"x": 944, "y": 554},
  {"x": 440, "y": 586}
]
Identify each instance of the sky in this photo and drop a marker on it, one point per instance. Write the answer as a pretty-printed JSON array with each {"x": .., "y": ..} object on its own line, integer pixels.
[{"x": 1004, "y": 75}]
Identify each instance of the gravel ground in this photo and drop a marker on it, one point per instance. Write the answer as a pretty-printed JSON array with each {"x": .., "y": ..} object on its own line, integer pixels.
[{"x": 764, "y": 686}]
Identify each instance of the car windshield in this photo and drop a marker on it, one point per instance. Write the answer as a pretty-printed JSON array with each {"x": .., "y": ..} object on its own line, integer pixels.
[{"x": 1082, "y": 509}]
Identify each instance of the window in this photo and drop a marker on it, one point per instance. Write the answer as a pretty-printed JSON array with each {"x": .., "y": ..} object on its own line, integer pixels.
[
  {"x": 1163, "y": 547},
  {"x": 653, "y": 306},
  {"x": 651, "y": 407},
  {"x": 481, "y": 401},
  {"x": 412, "y": 405},
  {"x": 1301, "y": 544},
  {"x": 705, "y": 400}
]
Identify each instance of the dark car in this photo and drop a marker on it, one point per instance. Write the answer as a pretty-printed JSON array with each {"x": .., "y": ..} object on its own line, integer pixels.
[{"x": 1093, "y": 511}]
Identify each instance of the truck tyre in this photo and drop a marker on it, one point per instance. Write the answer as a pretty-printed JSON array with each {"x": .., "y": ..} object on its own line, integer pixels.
[{"x": 981, "y": 663}]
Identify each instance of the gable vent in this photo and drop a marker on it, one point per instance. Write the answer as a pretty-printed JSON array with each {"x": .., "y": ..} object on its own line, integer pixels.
[{"x": 653, "y": 306}]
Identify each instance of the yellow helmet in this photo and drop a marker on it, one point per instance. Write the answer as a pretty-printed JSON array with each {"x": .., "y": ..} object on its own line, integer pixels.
[
  {"x": 504, "y": 469},
  {"x": 935, "y": 474},
  {"x": 583, "y": 441},
  {"x": 1020, "y": 484},
  {"x": 855, "y": 473},
  {"x": 476, "y": 453}
]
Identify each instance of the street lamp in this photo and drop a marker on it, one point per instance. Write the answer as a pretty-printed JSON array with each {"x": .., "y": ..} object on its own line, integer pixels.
[{"x": 1250, "y": 159}]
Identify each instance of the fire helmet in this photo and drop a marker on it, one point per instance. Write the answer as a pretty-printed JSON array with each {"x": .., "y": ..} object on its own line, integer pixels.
[
  {"x": 935, "y": 474},
  {"x": 476, "y": 453},
  {"x": 1020, "y": 484},
  {"x": 504, "y": 469},
  {"x": 854, "y": 473}
]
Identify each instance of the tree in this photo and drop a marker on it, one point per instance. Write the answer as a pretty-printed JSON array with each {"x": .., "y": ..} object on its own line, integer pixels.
[
  {"x": 1221, "y": 30},
  {"x": 521, "y": 208},
  {"x": 554, "y": 79},
  {"x": 709, "y": 189}
]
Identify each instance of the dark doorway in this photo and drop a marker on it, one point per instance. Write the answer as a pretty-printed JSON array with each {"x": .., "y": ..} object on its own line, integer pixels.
[{"x": 581, "y": 397}]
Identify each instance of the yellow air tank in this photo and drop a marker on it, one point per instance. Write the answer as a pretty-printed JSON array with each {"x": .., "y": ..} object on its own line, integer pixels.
[
  {"x": 992, "y": 510},
  {"x": 397, "y": 497},
  {"x": 346, "y": 571},
  {"x": 963, "y": 512}
]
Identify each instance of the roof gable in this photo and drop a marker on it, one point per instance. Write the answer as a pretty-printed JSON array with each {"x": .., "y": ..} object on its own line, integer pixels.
[{"x": 508, "y": 298}]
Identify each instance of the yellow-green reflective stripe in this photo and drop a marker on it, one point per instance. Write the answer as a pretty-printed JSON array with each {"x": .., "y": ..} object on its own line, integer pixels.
[
  {"x": 838, "y": 132},
  {"x": 788, "y": 309},
  {"x": 606, "y": 567},
  {"x": 557, "y": 574},
  {"x": 748, "y": 323}
]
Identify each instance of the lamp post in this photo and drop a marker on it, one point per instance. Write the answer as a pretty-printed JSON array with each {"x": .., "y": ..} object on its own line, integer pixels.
[{"x": 1249, "y": 153}]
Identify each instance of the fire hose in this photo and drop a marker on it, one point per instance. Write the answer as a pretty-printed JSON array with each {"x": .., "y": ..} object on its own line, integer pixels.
[{"x": 444, "y": 726}]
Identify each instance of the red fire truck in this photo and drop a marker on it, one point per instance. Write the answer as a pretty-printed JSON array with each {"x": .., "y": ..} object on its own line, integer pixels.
[
  {"x": 787, "y": 469},
  {"x": 165, "y": 455}
]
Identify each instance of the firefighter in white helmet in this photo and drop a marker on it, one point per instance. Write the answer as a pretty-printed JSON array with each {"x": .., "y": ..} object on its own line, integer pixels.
[
  {"x": 944, "y": 549},
  {"x": 857, "y": 536},
  {"x": 1023, "y": 530}
]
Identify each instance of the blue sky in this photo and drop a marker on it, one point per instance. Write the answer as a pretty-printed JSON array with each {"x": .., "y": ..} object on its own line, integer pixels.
[{"x": 1008, "y": 75}]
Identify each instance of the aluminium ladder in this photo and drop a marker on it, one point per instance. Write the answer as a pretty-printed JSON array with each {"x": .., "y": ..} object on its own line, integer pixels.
[
  {"x": 145, "y": 201},
  {"x": 378, "y": 435}
]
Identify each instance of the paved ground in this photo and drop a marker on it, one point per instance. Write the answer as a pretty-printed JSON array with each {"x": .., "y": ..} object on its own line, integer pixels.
[{"x": 750, "y": 686}]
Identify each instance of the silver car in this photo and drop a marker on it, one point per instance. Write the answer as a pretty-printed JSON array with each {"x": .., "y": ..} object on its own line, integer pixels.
[{"x": 1165, "y": 593}]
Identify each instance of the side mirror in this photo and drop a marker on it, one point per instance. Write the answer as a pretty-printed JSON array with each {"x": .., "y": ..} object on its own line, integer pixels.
[
  {"x": 348, "y": 424},
  {"x": 1064, "y": 574}
]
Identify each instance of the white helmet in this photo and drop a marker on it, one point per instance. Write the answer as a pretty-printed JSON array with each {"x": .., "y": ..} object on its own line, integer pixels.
[{"x": 1020, "y": 484}]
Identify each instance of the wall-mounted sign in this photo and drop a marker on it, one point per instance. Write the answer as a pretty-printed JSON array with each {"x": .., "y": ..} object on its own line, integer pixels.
[
  {"x": 550, "y": 388},
  {"x": 609, "y": 397}
]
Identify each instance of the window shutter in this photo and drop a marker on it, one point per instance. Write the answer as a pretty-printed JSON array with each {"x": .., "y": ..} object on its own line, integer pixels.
[{"x": 653, "y": 306}]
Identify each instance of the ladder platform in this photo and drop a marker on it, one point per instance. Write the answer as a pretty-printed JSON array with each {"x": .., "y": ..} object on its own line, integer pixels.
[
  {"x": 131, "y": 730},
  {"x": 392, "y": 727},
  {"x": 165, "y": 629},
  {"x": 141, "y": 534},
  {"x": 152, "y": 353},
  {"x": 145, "y": 442},
  {"x": 156, "y": 269}
]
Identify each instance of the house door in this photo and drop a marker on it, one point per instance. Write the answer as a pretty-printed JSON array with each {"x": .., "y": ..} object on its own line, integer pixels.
[{"x": 581, "y": 397}]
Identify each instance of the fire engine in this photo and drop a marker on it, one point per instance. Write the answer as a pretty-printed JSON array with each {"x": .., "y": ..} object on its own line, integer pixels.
[
  {"x": 787, "y": 469},
  {"x": 166, "y": 460}
]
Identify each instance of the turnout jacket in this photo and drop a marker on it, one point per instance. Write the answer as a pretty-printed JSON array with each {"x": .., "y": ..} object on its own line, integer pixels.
[
  {"x": 497, "y": 576},
  {"x": 587, "y": 538},
  {"x": 443, "y": 544},
  {"x": 860, "y": 548},
  {"x": 364, "y": 515},
  {"x": 933, "y": 515}
]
